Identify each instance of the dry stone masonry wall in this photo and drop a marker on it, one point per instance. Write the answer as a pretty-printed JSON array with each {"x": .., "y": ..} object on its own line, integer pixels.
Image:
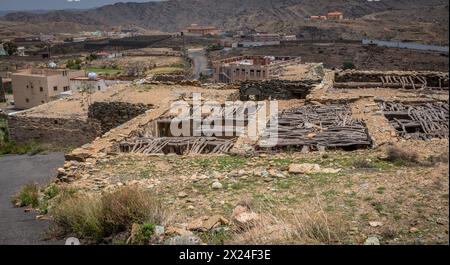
[
  {"x": 113, "y": 114},
  {"x": 61, "y": 132}
]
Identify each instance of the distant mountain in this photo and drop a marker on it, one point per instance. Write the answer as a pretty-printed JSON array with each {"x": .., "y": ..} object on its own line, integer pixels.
[
  {"x": 37, "y": 11},
  {"x": 262, "y": 15}
]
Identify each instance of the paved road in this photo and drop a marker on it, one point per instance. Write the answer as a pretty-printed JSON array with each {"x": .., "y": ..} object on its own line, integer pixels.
[
  {"x": 16, "y": 226},
  {"x": 200, "y": 62}
]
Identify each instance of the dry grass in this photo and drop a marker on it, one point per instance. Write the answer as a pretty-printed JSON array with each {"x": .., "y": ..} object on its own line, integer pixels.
[
  {"x": 27, "y": 196},
  {"x": 131, "y": 205},
  {"x": 308, "y": 225},
  {"x": 94, "y": 218},
  {"x": 398, "y": 155}
]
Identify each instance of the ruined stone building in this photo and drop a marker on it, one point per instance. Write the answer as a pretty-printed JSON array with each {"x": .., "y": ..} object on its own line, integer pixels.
[
  {"x": 32, "y": 87},
  {"x": 244, "y": 68}
]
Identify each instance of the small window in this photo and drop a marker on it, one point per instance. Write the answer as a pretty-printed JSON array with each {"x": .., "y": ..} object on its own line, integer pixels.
[
  {"x": 42, "y": 101},
  {"x": 98, "y": 88},
  {"x": 41, "y": 89},
  {"x": 55, "y": 88},
  {"x": 27, "y": 100}
]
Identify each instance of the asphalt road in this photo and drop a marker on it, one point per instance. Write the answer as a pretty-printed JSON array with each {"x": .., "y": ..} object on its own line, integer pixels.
[
  {"x": 16, "y": 226},
  {"x": 200, "y": 62}
]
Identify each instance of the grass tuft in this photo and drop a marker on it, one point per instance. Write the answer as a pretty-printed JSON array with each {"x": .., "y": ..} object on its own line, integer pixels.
[
  {"x": 27, "y": 196},
  {"x": 95, "y": 218}
]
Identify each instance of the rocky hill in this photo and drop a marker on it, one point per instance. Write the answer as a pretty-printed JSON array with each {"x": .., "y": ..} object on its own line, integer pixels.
[{"x": 262, "y": 15}]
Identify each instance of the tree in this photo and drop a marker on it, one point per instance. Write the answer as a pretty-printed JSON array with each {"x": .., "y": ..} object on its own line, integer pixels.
[{"x": 10, "y": 48}]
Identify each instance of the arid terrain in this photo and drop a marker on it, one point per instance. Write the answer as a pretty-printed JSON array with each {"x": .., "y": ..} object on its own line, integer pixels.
[
  {"x": 422, "y": 21},
  {"x": 267, "y": 123}
]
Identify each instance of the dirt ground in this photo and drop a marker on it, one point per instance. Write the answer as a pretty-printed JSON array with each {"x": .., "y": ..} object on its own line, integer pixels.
[{"x": 410, "y": 201}]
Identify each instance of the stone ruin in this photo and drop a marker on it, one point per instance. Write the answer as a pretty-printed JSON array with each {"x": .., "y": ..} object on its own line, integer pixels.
[
  {"x": 419, "y": 121},
  {"x": 317, "y": 128},
  {"x": 276, "y": 89},
  {"x": 395, "y": 79}
]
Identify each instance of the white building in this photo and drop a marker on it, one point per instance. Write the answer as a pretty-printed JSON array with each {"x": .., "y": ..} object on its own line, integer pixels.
[
  {"x": 21, "y": 51},
  {"x": 90, "y": 84}
]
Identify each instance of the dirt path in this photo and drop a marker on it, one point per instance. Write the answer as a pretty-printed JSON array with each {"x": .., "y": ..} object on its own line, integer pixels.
[{"x": 16, "y": 226}]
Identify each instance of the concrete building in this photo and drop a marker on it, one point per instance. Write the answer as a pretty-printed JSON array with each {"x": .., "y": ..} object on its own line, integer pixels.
[
  {"x": 243, "y": 68},
  {"x": 90, "y": 84},
  {"x": 32, "y": 87},
  {"x": 336, "y": 15},
  {"x": 265, "y": 37},
  {"x": 289, "y": 38},
  {"x": 196, "y": 29},
  {"x": 318, "y": 17}
]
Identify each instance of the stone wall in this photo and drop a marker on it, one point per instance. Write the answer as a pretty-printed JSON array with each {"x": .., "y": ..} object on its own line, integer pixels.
[
  {"x": 60, "y": 132},
  {"x": 276, "y": 89},
  {"x": 113, "y": 114},
  {"x": 432, "y": 79}
]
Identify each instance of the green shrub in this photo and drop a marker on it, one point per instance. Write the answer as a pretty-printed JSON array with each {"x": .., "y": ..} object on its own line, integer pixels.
[
  {"x": 27, "y": 196},
  {"x": 112, "y": 213},
  {"x": 144, "y": 234}
]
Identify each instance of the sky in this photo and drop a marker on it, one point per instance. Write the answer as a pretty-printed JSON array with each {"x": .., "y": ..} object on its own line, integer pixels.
[{"x": 56, "y": 4}]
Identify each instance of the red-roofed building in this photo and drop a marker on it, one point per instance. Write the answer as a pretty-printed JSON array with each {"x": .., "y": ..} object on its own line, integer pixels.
[{"x": 336, "y": 15}]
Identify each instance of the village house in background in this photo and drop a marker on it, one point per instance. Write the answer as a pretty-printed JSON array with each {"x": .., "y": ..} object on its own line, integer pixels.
[
  {"x": 90, "y": 83},
  {"x": 336, "y": 15},
  {"x": 32, "y": 87},
  {"x": 196, "y": 29},
  {"x": 244, "y": 68}
]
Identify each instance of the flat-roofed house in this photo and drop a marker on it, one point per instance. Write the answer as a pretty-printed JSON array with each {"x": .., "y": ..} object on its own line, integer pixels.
[
  {"x": 32, "y": 87},
  {"x": 196, "y": 29},
  {"x": 336, "y": 15}
]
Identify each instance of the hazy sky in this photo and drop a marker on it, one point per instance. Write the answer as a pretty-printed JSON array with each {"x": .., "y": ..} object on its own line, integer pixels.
[{"x": 56, "y": 4}]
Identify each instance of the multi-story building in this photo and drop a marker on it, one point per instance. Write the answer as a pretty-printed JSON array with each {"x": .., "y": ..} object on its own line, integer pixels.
[
  {"x": 244, "y": 68},
  {"x": 32, "y": 87}
]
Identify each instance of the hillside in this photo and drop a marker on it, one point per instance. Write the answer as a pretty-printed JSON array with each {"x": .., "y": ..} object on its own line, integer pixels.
[{"x": 367, "y": 19}]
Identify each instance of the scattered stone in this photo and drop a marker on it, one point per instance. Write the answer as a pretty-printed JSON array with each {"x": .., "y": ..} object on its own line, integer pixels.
[
  {"x": 243, "y": 217},
  {"x": 375, "y": 224},
  {"x": 182, "y": 194},
  {"x": 172, "y": 230},
  {"x": 207, "y": 223},
  {"x": 308, "y": 168},
  {"x": 413, "y": 230},
  {"x": 372, "y": 240},
  {"x": 188, "y": 240},
  {"x": 159, "y": 230},
  {"x": 217, "y": 185}
]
